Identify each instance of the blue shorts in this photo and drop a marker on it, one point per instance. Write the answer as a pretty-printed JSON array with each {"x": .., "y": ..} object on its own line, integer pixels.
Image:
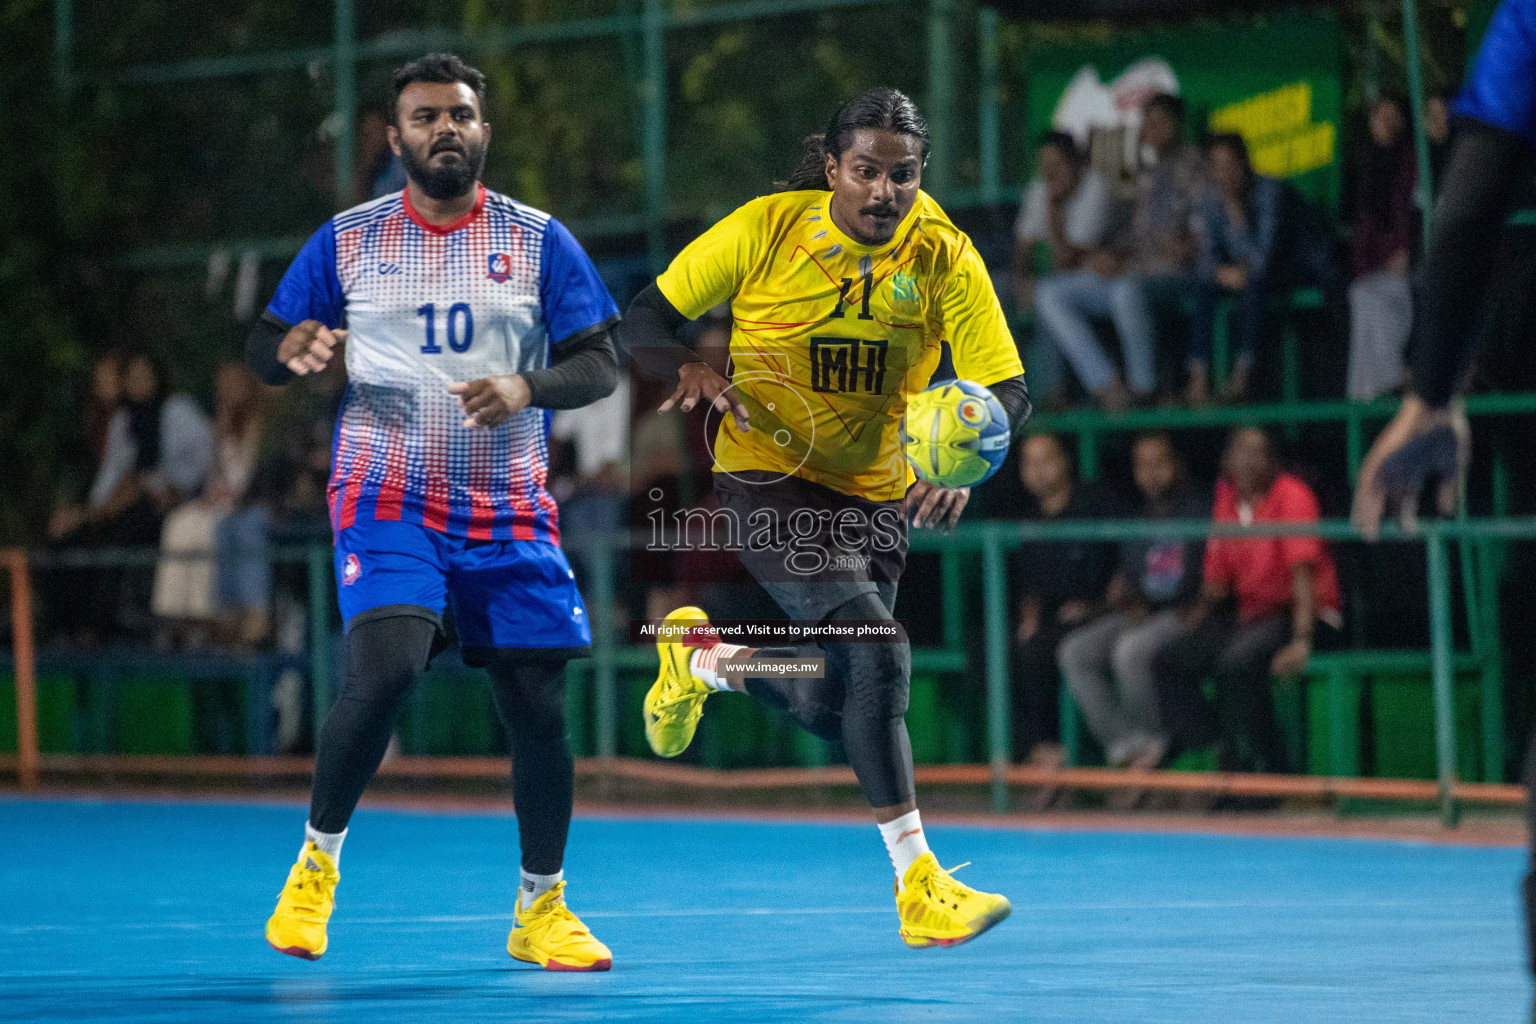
[
  {"x": 505, "y": 593},
  {"x": 1501, "y": 90}
]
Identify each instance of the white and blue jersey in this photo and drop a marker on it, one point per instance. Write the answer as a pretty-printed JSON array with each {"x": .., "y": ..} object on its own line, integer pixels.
[{"x": 425, "y": 306}]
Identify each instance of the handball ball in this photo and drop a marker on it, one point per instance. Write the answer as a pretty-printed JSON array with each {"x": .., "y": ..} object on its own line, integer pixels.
[{"x": 955, "y": 433}]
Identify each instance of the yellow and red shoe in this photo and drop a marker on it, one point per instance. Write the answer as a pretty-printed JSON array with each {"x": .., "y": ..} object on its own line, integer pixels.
[
  {"x": 548, "y": 934},
  {"x": 937, "y": 910},
  {"x": 297, "y": 926},
  {"x": 675, "y": 702}
]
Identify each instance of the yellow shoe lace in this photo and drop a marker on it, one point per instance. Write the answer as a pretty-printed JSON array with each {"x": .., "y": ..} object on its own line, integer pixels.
[
  {"x": 308, "y": 892},
  {"x": 682, "y": 688},
  {"x": 557, "y": 912}
]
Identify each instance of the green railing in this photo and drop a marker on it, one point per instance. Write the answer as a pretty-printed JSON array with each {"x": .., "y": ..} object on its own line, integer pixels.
[
  {"x": 1089, "y": 425},
  {"x": 992, "y": 541}
]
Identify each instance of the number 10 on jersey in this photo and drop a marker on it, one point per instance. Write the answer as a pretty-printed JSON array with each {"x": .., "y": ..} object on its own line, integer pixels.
[{"x": 461, "y": 327}]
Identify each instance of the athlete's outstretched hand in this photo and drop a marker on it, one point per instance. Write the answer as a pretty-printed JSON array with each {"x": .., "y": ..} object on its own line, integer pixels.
[
  {"x": 308, "y": 346},
  {"x": 490, "y": 400},
  {"x": 699, "y": 382},
  {"x": 931, "y": 505},
  {"x": 1419, "y": 445}
]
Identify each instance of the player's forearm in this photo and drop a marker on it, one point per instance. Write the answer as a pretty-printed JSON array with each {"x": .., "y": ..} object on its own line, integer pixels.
[
  {"x": 1014, "y": 398},
  {"x": 582, "y": 370},
  {"x": 261, "y": 346},
  {"x": 649, "y": 335},
  {"x": 1474, "y": 201}
]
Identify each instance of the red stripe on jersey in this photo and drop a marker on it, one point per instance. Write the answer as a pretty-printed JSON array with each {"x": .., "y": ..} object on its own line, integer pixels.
[
  {"x": 445, "y": 229},
  {"x": 349, "y": 246},
  {"x": 434, "y": 511},
  {"x": 392, "y": 487},
  {"x": 354, "y": 487},
  {"x": 340, "y": 461},
  {"x": 551, "y": 515},
  {"x": 482, "y": 511},
  {"x": 518, "y": 458}
]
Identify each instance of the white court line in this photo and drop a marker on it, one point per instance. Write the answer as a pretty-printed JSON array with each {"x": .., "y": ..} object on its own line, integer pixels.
[{"x": 1022, "y": 908}]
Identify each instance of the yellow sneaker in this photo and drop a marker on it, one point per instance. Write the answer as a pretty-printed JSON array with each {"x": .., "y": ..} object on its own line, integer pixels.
[
  {"x": 297, "y": 926},
  {"x": 675, "y": 702},
  {"x": 937, "y": 910},
  {"x": 548, "y": 934}
]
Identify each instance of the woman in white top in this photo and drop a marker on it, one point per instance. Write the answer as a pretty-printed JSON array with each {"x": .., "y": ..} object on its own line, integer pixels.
[{"x": 235, "y": 586}]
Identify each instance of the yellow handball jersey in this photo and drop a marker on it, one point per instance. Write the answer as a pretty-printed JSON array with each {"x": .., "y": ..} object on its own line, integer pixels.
[{"x": 830, "y": 337}]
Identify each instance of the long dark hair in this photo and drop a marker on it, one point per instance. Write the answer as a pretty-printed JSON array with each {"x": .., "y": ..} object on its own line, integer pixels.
[
  {"x": 144, "y": 416},
  {"x": 881, "y": 107},
  {"x": 1382, "y": 164}
]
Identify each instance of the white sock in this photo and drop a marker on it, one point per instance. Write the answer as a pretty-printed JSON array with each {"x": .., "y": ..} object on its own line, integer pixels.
[
  {"x": 904, "y": 841},
  {"x": 535, "y": 886},
  {"x": 329, "y": 842},
  {"x": 703, "y": 660}
]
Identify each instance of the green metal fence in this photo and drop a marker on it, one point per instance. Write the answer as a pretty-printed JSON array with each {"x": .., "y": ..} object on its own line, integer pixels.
[
  {"x": 991, "y": 541},
  {"x": 648, "y": 27}
]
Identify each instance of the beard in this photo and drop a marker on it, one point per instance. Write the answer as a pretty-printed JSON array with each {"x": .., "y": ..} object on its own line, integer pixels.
[{"x": 447, "y": 180}]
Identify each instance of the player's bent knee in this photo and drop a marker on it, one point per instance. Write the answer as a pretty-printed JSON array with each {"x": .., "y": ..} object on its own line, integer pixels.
[
  {"x": 384, "y": 655},
  {"x": 878, "y": 677},
  {"x": 813, "y": 709}
]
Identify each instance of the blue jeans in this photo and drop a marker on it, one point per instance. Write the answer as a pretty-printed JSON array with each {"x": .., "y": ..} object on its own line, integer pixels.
[
  {"x": 1066, "y": 303},
  {"x": 244, "y": 574},
  {"x": 1252, "y": 304}
]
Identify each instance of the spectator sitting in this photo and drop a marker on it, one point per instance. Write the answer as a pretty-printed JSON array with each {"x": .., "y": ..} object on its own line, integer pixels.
[
  {"x": 1157, "y": 580},
  {"x": 1437, "y": 128},
  {"x": 67, "y": 524},
  {"x": 1060, "y": 586},
  {"x": 1380, "y": 301},
  {"x": 1068, "y": 213},
  {"x": 235, "y": 586},
  {"x": 1163, "y": 243},
  {"x": 1287, "y": 597},
  {"x": 1151, "y": 258},
  {"x": 157, "y": 452},
  {"x": 239, "y": 489},
  {"x": 105, "y": 399},
  {"x": 1254, "y": 241},
  {"x": 102, "y": 401}
]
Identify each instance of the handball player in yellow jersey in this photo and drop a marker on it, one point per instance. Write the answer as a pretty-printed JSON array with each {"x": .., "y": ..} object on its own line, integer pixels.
[{"x": 844, "y": 287}]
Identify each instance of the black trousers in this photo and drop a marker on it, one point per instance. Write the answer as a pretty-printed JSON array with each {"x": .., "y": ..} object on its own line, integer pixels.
[
  {"x": 1241, "y": 720},
  {"x": 1037, "y": 689}
]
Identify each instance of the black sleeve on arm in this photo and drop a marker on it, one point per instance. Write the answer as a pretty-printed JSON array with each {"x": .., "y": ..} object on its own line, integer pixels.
[
  {"x": 1014, "y": 397},
  {"x": 261, "y": 350},
  {"x": 582, "y": 369},
  {"x": 649, "y": 335},
  {"x": 1484, "y": 169}
]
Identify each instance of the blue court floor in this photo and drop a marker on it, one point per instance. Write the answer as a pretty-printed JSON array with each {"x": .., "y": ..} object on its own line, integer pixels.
[{"x": 154, "y": 911}]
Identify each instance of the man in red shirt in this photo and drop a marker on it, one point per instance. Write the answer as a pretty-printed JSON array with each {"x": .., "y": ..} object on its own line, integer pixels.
[{"x": 1286, "y": 593}]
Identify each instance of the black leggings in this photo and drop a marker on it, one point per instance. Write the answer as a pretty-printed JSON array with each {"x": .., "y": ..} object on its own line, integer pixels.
[
  {"x": 862, "y": 701},
  {"x": 383, "y": 657},
  {"x": 1486, "y": 167}
]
